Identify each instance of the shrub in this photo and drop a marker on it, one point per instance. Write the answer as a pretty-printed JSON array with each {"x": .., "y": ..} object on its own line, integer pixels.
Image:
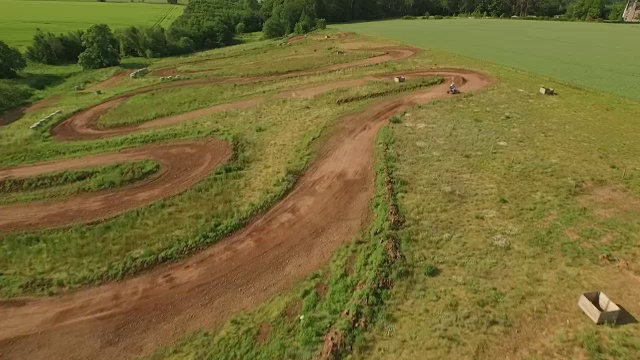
[
  {"x": 304, "y": 25},
  {"x": 50, "y": 49},
  {"x": 185, "y": 45},
  {"x": 101, "y": 48},
  {"x": 13, "y": 95},
  {"x": 273, "y": 28},
  {"x": 438, "y": 17},
  {"x": 130, "y": 41},
  {"x": 46, "y": 48},
  {"x": 72, "y": 45},
  {"x": 406, "y": 17},
  {"x": 321, "y": 24},
  {"x": 11, "y": 61},
  {"x": 172, "y": 2},
  {"x": 241, "y": 28},
  {"x": 427, "y": 14},
  {"x": 431, "y": 270}
]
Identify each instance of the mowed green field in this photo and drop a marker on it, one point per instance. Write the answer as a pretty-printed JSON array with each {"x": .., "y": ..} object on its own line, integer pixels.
[
  {"x": 20, "y": 18},
  {"x": 599, "y": 56}
]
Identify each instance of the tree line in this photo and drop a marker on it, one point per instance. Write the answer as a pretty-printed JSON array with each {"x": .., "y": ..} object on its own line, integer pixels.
[{"x": 208, "y": 24}]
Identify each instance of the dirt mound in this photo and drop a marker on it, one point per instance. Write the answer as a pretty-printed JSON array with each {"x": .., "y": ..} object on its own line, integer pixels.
[{"x": 131, "y": 318}]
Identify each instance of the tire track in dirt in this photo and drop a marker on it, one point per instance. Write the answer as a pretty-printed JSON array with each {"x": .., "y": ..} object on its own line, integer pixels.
[
  {"x": 91, "y": 207},
  {"x": 131, "y": 318},
  {"x": 182, "y": 165}
]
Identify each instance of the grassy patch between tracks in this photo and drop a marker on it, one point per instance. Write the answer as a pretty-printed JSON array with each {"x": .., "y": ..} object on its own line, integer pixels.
[
  {"x": 326, "y": 314},
  {"x": 70, "y": 182},
  {"x": 364, "y": 92}
]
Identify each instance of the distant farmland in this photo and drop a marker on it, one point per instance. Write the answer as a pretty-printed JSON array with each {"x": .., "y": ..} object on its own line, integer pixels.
[
  {"x": 599, "y": 56},
  {"x": 20, "y": 18}
]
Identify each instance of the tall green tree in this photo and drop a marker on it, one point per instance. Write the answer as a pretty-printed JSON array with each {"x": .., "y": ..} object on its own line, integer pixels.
[
  {"x": 11, "y": 61},
  {"x": 101, "y": 48}
]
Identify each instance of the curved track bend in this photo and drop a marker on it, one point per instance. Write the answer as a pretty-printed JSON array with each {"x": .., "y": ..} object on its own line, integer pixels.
[{"x": 127, "y": 319}]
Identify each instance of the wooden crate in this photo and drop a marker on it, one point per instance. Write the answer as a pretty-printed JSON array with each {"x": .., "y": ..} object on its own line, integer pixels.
[
  {"x": 547, "y": 91},
  {"x": 599, "y": 307}
]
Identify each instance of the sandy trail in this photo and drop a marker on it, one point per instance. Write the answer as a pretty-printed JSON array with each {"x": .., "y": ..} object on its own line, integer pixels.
[{"x": 131, "y": 318}]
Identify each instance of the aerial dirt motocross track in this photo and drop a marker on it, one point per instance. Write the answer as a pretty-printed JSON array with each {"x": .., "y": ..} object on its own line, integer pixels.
[{"x": 329, "y": 206}]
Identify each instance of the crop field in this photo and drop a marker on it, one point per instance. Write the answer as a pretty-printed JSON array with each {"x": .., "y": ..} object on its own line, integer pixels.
[
  {"x": 597, "y": 56},
  {"x": 294, "y": 200},
  {"x": 20, "y": 18}
]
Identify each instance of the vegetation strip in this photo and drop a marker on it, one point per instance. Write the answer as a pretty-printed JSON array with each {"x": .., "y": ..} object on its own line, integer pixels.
[
  {"x": 71, "y": 182},
  {"x": 396, "y": 90}
]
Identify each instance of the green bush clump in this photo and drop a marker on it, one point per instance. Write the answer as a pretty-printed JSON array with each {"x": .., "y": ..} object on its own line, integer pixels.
[{"x": 13, "y": 95}]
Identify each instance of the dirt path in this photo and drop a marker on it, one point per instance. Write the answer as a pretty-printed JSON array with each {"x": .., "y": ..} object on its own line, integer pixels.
[
  {"x": 182, "y": 165},
  {"x": 131, "y": 318}
]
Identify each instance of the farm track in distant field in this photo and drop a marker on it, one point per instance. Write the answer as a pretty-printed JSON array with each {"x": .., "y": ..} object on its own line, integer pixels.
[{"x": 328, "y": 207}]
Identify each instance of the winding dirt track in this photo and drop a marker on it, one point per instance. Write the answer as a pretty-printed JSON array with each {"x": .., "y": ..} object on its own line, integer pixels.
[{"x": 328, "y": 207}]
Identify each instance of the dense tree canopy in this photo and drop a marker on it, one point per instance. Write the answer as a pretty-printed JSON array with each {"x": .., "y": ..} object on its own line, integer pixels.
[
  {"x": 101, "y": 48},
  {"x": 11, "y": 61},
  {"x": 48, "y": 48}
]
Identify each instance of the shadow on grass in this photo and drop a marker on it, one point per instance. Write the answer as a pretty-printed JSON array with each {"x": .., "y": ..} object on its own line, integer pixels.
[
  {"x": 40, "y": 81},
  {"x": 625, "y": 317}
]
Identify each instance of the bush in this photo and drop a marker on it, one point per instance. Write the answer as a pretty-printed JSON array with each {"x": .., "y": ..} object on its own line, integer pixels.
[
  {"x": 273, "y": 28},
  {"x": 406, "y": 17},
  {"x": 241, "y": 28},
  {"x": 304, "y": 25},
  {"x": 50, "y": 49},
  {"x": 438, "y": 17},
  {"x": 101, "y": 48},
  {"x": 431, "y": 270},
  {"x": 427, "y": 14},
  {"x": 185, "y": 45},
  {"x": 46, "y": 48},
  {"x": 130, "y": 41},
  {"x": 172, "y": 2},
  {"x": 11, "y": 61},
  {"x": 321, "y": 24},
  {"x": 13, "y": 95}
]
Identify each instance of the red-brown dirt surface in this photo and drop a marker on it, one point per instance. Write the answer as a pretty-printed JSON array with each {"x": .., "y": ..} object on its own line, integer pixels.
[
  {"x": 182, "y": 166},
  {"x": 110, "y": 82},
  {"x": 131, "y": 318}
]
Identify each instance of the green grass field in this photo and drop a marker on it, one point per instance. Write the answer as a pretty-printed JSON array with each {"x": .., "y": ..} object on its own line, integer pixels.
[
  {"x": 20, "y": 18},
  {"x": 598, "y": 56}
]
